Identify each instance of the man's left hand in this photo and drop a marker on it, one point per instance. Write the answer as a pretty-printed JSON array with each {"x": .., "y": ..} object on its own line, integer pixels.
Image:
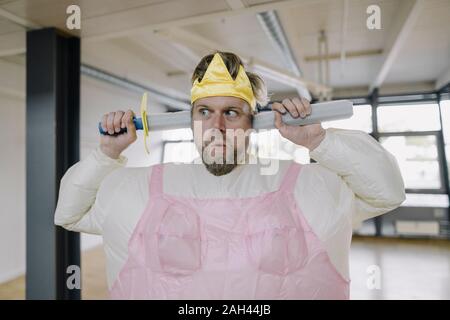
[{"x": 308, "y": 136}]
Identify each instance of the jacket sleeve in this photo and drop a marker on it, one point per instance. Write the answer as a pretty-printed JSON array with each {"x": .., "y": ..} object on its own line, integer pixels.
[
  {"x": 79, "y": 206},
  {"x": 370, "y": 171}
]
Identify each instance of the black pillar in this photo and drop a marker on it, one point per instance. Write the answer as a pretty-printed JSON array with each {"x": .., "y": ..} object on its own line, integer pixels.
[
  {"x": 374, "y": 103},
  {"x": 52, "y": 116}
]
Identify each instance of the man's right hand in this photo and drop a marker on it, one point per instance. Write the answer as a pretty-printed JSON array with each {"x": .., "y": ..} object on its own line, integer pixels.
[{"x": 112, "y": 122}]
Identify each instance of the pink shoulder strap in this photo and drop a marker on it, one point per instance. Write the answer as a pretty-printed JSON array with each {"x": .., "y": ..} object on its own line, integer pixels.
[
  {"x": 290, "y": 177},
  {"x": 156, "y": 180}
]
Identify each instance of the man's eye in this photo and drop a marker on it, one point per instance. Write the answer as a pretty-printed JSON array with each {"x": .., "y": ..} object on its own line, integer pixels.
[
  {"x": 204, "y": 112},
  {"x": 231, "y": 113}
]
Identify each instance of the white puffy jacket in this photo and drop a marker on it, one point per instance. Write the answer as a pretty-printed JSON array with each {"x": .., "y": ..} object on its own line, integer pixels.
[{"x": 354, "y": 179}]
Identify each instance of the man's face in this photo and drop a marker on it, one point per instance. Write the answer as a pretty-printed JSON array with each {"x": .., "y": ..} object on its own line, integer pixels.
[{"x": 223, "y": 138}]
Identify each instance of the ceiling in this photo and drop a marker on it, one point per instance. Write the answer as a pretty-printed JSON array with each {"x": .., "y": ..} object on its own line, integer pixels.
[{"x": 158, "y": 42}]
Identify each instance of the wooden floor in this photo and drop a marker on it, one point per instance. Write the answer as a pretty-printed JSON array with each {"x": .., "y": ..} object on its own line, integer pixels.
[{"x": 408, "y": 269}]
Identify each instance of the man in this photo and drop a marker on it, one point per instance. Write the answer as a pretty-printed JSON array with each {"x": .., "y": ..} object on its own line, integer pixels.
[{"x": 221, "y": 229}]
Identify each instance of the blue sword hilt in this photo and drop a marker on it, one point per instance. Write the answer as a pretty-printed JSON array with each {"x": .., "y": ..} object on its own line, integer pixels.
[{"x": 137, "y": 123}]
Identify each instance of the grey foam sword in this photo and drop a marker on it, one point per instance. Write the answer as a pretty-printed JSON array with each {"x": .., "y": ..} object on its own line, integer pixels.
[{"x": 320, "y": 112}]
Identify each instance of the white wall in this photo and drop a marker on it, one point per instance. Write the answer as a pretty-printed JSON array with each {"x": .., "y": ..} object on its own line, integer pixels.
[
  {"x": 12, "y": 187},
  {"x": 97, "y": 98}
]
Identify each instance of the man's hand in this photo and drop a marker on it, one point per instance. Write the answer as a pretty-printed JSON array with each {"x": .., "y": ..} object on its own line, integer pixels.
[
  {"x": 308, "y": 136},
  {"x": 112, "y": 122}
]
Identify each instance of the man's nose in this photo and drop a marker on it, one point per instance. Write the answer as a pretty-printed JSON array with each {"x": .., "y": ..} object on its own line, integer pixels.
[{"x": 219, "y": 122}]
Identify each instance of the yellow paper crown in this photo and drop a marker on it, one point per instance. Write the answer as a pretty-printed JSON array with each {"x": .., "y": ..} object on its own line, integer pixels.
[{"x": 217, "y": 81}]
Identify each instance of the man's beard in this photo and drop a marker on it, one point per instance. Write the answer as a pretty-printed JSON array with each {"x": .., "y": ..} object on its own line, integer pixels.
[
  {"x": 220, "y": 169},
  {"x": 226, "y": 165}
]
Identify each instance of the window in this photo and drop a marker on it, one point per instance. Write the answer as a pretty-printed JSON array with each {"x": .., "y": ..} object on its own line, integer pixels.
[
  {"x": 361, "y": 120},
  {"x": 178, "y": 146},
  {"x": 179, "y": 152},
  {"x": 411, "y": 132},
  {"x": 399, "y": 118},
  {"x": 426, "y": 200},
  {"x": 418, "y": 159}
]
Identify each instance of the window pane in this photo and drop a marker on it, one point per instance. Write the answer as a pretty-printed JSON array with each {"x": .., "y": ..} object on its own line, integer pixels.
[
  {"x": 180, "y": 152},
  {"x": 426, "y": 200},
  {"x": 447, "y": 154},
  {"x": 417, "y": 158},
  {"x": 177, "y": 134},
  {"x": 420, "y": 117},
  {"x": 445, "y": 110},
  {"x": 361, "y": 120}
]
